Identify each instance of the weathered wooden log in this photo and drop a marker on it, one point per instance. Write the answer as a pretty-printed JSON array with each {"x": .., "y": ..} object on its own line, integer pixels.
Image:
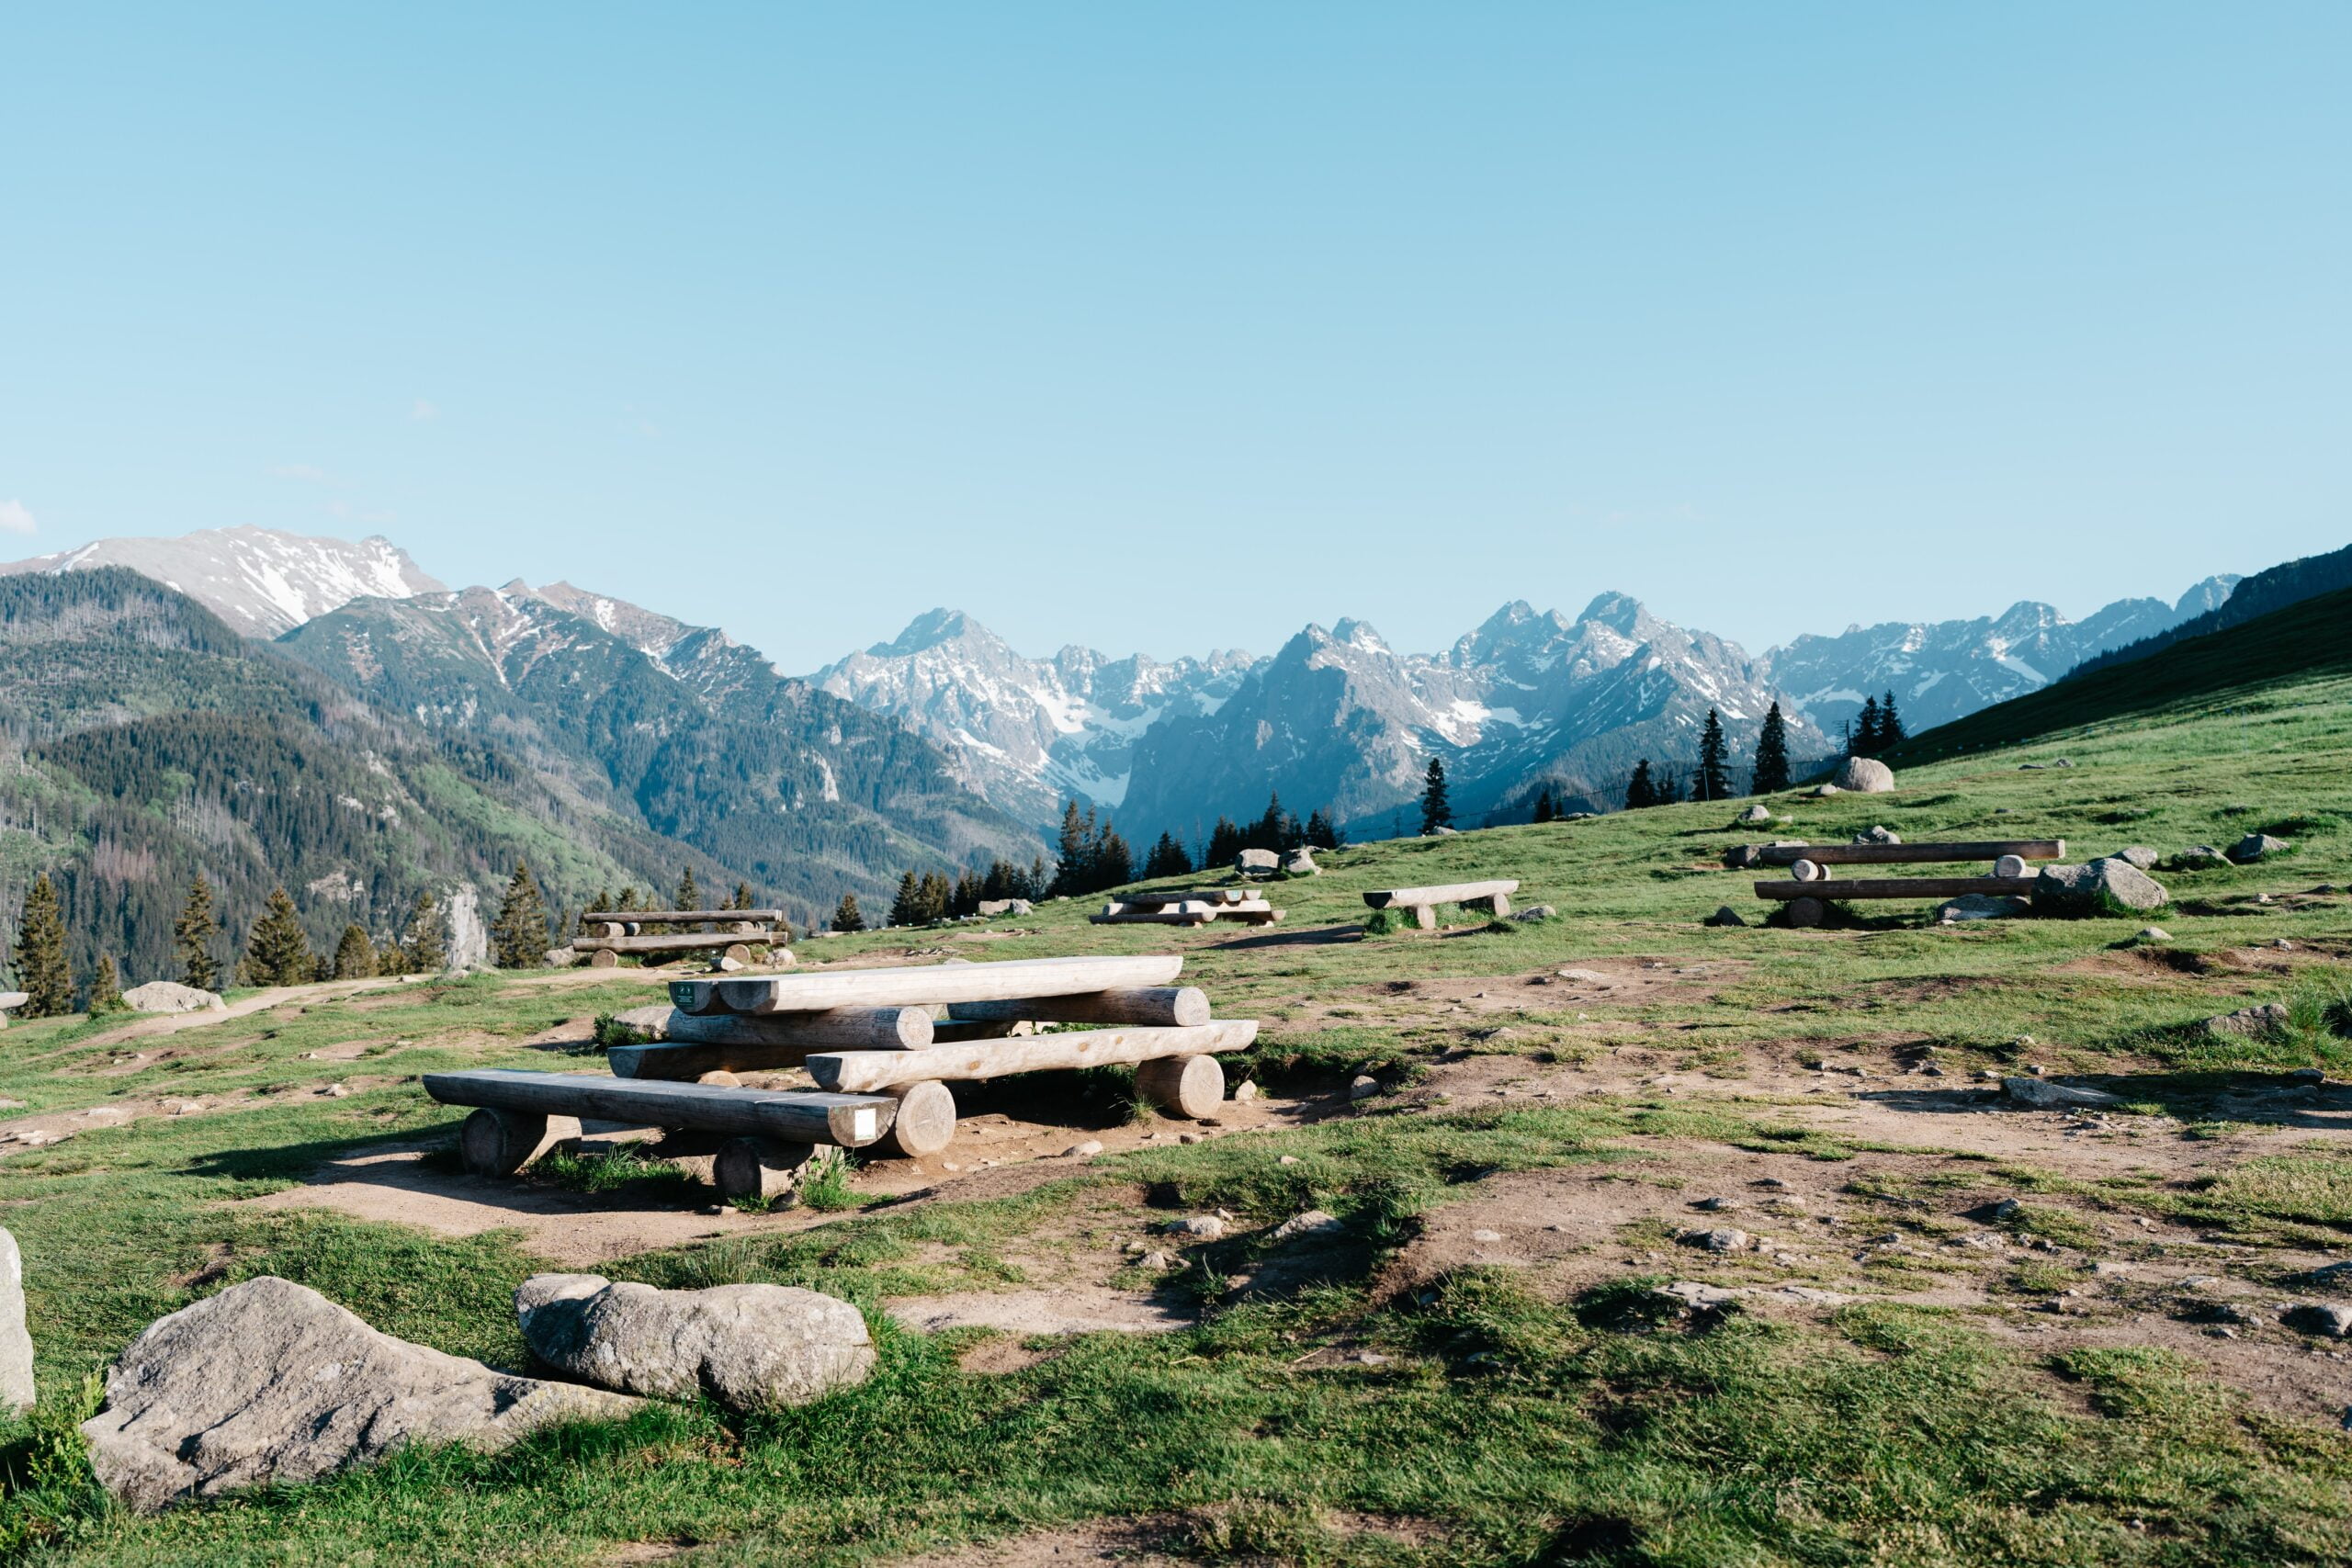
[
  {"x": 683, "y": 941},
  {"x": 1900, "y": 887},
  {"x": 1445, "y": 893},
  {"x": 921, "y": 987},
  {"x": 736, "y": 1042},
  {"x": 852, "y": 1121},
  {"x": 864, "y": 1072},
  {"x": 605, "y": 960},
  {"x": 1159, "y": 1006},
  {"x": 1914, "y": 854},
  {"x": 1183, "y": 1086},
  {"x": 1195, "y": 895},
  {"x": 926, "y": 1120},
  {"x": 500, "y": 1142},
  {"x": 2010, "y": 865},
  {"x": 1174, "y": 915},
  {"x": 763, "y": 1168},
  {"x": 1807, "y": 912},
  {"x": 685, "y": 917}
]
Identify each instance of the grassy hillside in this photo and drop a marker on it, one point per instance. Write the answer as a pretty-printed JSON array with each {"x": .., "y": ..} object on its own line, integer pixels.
[
  {"x": 1977, "y": 1333},
  {"x": 2231, "y": 669}
]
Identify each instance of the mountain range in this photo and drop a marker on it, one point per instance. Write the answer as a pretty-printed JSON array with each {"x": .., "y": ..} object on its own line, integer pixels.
[{"x": 616, "y": 744}]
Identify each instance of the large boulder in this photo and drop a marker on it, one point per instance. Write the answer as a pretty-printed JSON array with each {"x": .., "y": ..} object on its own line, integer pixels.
[
  {"x": 1759, "y": 812},
  {"x": 270, "y": 1380},
  {"x": 170, "y": 995},
  {"x": 748, "y": 1347},
  {"x": 2138, "y": 855},
  {"x": 2105, "y": 887},
  {"x": 16, "y": 1345},
  {"x": 2254, "y": 847},
  {"x": 1300, "y": 861},
  {"x": 2251, "y": 1023},
  {"x": 1257, "y": 863},
  {"x": 1866, "y": 776}
]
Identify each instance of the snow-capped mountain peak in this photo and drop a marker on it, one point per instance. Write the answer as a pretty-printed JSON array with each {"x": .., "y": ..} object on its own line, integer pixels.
[{"x": 263, "y": 582}]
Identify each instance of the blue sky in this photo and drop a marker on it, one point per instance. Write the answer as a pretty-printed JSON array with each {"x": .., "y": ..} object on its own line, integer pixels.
[{"x": 1177, "y": 326}]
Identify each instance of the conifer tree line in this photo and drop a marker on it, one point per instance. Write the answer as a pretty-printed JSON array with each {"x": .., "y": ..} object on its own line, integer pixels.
[
  {"x": 925, "y": 897},
  {"x": 1276, "y": 828},
  {"x": 1876, "y": 730},
  {"x": 1711, "y": 778}
]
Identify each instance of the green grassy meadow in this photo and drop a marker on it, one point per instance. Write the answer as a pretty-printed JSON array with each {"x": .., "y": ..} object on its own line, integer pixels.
[{"x": 1502, "y": 1417}]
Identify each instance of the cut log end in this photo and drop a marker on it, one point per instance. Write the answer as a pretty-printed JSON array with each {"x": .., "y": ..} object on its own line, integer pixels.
[
  {"x": 1808, "y": 871},
  {"x": 926, "y": 1120},
  {"x": 1191, "y": 1086},
  {"x": 500, "y": 1142},
  {"x": 604, "y": 958},
  {"x": 1806, "y": 912}
]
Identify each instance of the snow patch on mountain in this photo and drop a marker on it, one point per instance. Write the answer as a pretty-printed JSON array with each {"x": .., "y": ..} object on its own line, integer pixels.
[{"x": 263, "y": 582}]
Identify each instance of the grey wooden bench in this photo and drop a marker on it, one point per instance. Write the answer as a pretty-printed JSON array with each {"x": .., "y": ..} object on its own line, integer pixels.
[{"x": 1423, "y": 901}]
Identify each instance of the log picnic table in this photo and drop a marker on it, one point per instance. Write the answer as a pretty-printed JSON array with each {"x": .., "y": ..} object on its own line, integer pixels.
[
  {"x": 606, "y": 935},
  {"x": 1811, "y": 885},
  {"x": 880, "y": 1060},
  {"x": 1199, "y": 908},
  {"x": 1423, "y": 901}
]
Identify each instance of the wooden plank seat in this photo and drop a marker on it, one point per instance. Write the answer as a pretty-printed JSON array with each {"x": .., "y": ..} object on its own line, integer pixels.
[
  {"x": 1899, "y": 887},
  {"x": 1186, "y": 910},
  {"x": 1912, "y": 854},
  {"x": 920, "y": 986},
  {"x": 1175, "y": 1067},
  {"x": 771, "y": 1138},
  {"x": 1423, "y": 901},
  {"x": 676, "y": 941},
  {"x": 686, "y": 917}
]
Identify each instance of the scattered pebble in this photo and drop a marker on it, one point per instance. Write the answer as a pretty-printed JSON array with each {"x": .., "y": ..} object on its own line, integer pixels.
[
  {"x": 1485, "y": 1235},
  {"x": 1245, "y": 1092},
  {"x": 1157, "y": 1260}
]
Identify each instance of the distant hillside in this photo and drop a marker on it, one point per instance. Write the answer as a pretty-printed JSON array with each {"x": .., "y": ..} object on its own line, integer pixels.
[
  {"x": 143, "y": 741},
  {"x": 2264, "y": 591},
  {"x": 2308, "y": 637}
]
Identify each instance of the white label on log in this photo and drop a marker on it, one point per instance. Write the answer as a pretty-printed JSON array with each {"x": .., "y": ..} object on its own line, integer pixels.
[{"x": 863, "y": 1121}]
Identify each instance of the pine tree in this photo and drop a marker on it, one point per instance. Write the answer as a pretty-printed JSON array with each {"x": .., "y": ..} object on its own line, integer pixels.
[
  {"x": 276, "y": 951},
  {"x": 1713, "y": 780},
  {"x": 1266, "y": 833},
  {"x": 1669, "y": 788},
  {"x": 192, "y": 937},
  {"x": 601, "y": 904},
  {"x": 742, "y": 896},
  {"x": 931, "y": 903},
  {"x": 518, "y": 938},
  {"x": 1542, "y": 804},
  {"x": 1865, "y": 739},
  {"x": 1641, "y": 790},
  {"x": 968, "y": 894},
  {"x": 689, "y": 896},
  {"x": 906, "y": 907},
  {"x": 43, "y": 973},
  {"x": 1321, "y": 832},
  {"x": 1167, "y": 859},
  {"x": 1071, "y": 845},
  {"x": 355, "y": 955},
  {"x": 1114, "y": 864},
  {"x": 845, "y": 915},
  {"x": 1225, "y": 843},
  {"x": 1889, "y": 724},
  {"x": 1436, "y": 811},
  {"x": 106, "y": 988},
  {"x": 424, "y": 948},
  {"x": 1771, "y": 755}
]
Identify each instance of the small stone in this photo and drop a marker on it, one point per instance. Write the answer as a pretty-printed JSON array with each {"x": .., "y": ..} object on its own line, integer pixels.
[
  {"x": 2331, "y": 1319},
  {"x": 1537, "y": 912},
  {"x": 1159, "y": 1260},
  {"x": 2044, "y": 1096},
  {"x": 1365, "y": 1086},
  {"x": 2255, "y": 846},
  {"x": 1086, "y": 1150},
  {"x": 1585, "y": 976},
  {"x": 336, "y": 1090},
  {"x": 719, "y": 1078},
  {"x": 1877, "y": 836},
  {"x": 2153, "y": 934},
  {"x": 1245, "y": 1091},
  {"x": 1135, "y": 1248},
  {"x": 1485, "y": 1235},
  {"x": 1200, "y": 1228},
  {"x": 1723, "y": 1238},
  {"x": 1188, "y": 1138},
  {"x": 1287, "y": 1159},
  {"x": 2139, "y": 856},
  {"x": 1724, "y": 915},
  {"x": 2250, "y": 1024},
  {"x": 1370, "y": 1358},
  {"x": 1314, "y": 1222},
  {"x": 1717, "y": 1203}
]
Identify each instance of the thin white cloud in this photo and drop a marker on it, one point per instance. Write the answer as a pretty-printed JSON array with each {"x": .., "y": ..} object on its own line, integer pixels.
[
  {"x": 421, "y": 410},
  {"x": 302, "y": 471},
  {"x": 16, "y": 517}
]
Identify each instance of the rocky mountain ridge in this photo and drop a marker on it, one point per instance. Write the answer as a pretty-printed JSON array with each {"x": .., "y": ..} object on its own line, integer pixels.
[{"x": 261, "y": 583}]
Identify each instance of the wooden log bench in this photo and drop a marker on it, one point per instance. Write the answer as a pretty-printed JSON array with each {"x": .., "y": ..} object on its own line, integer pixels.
[
  {"x": 771, "y": 1138},
  {"x": 930, "y": 985},
  {"x": 1194, "y": 909},
  {"x": 606, "y": 935},
  {"x": 1176, "y": 1066},
  {"x": 1423, "y": 901},
  {"x": 1993, "y": 849}
]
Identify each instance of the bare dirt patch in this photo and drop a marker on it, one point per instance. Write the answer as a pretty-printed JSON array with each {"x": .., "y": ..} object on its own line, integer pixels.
[{"x": 1068, "y": 1308}]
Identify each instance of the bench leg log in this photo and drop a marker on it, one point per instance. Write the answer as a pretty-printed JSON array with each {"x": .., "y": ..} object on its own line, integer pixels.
[
  {"x": 1191, "y": 1086},
  {"x": 766, "y": 1169},
  {"x": 926, "y": 1120},
  {"x": 1425, "y": 917},
  {"x": 1807, "y": 911},
  {"x": 500, "y": 1142}
]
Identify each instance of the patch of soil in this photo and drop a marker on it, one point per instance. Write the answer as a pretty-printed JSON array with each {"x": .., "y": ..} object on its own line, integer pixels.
[
  {"x": 1000, "y": 1353},
  {"x": 1068, "y": 1308}
]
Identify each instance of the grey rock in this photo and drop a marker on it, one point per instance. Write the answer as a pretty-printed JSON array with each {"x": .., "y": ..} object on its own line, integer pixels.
[
  {"x": 2331, "y": 1319},
  {"x": 2103, "y": 887},
  {"x": 2250, "y": 1024},
  {"x": 1724, "y": 915},
  {"x": 2151, "y": 934},
  {"x": 2199, "y": 854},
  {"x": 1363, "y": 1087},
  {"x": 1877, "y": 836},
  {"x": 1723, "y": 1238},
  {"x": 1742, "y": 857},
  {"x": 270, "y": 1380},
  {"x": 1537, "y": 912},
  {"x": 1759, "y": 812},
  {"x": 1314, "y": 1223},
  {"x": 1865, "y": 775},
  {"x": 16, "y": 1344},
  {"x": 2045, "y": 1096},
  {"x": 1245, "y": 1091},
  {"x": 1086, "y": 1150},
  {"x": 2254, "y": 846},
  {"x": 653, "y": 1022},
  {"x": 2139, "y": 856},
  {"x": 748, "y": 1346},
  {"x": 1980, "y": 906},
  {"x": 1690, "y": 1292},
  {"x": 170, "y": 995},
  {"x": 1257, "y": 863},
  {"x": 1823, "y": 791},
  {"x": 1158, "y": 1261},
  {"x": 561, "y": 957},
  {"x": 1300, "y": 861},
  {"x": 1200, "y": 1228}
]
